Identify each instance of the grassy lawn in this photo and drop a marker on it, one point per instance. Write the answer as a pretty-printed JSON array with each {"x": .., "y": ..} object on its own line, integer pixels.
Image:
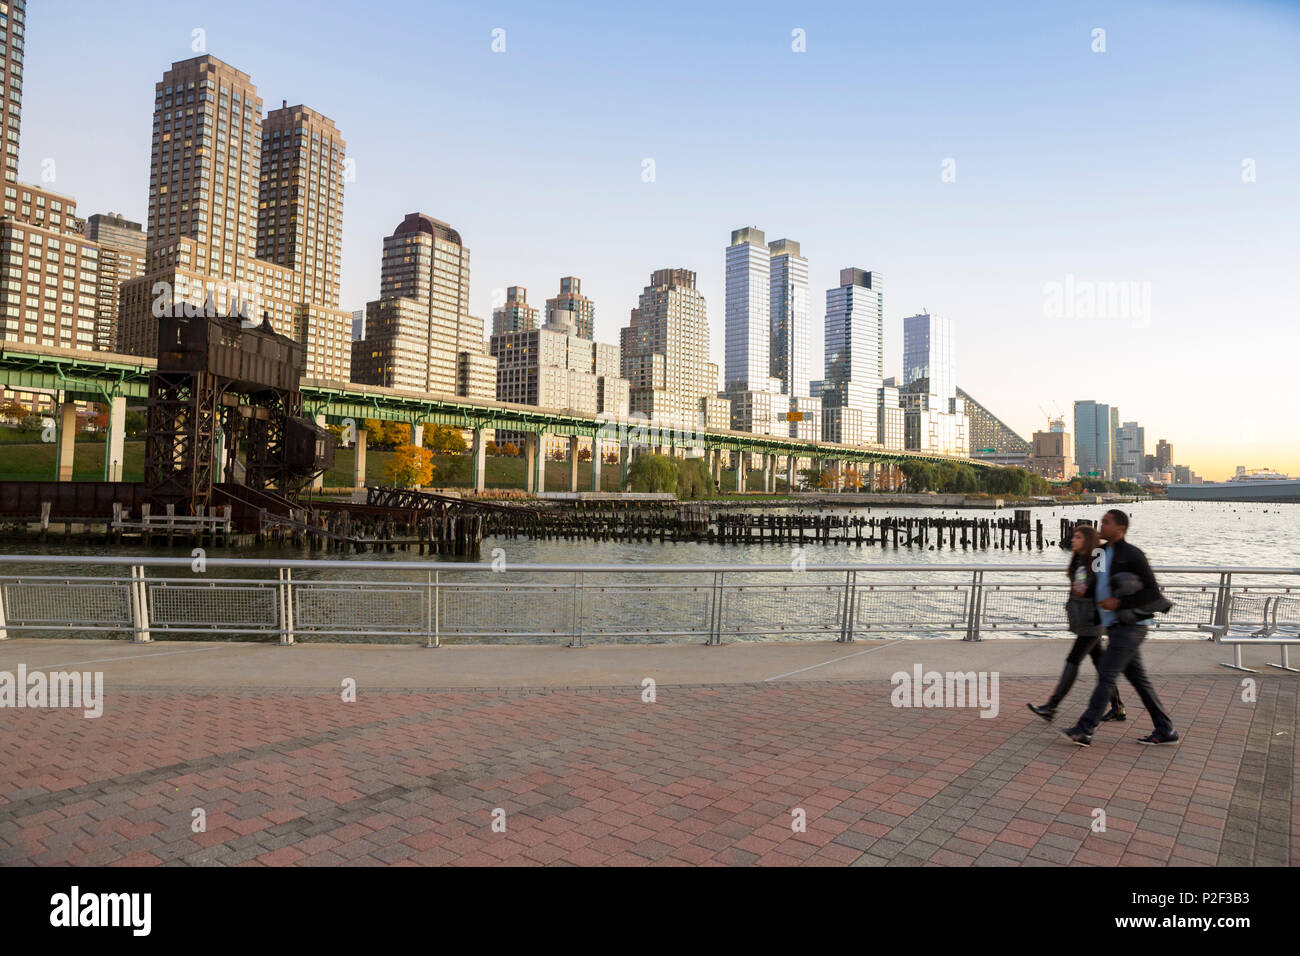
[
  {"x": 33, "y": 460},
  {"x": 453, "y": 471}
]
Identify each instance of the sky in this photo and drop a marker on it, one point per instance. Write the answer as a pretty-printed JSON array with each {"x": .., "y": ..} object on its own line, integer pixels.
[{"x": 1106, "y": 215}]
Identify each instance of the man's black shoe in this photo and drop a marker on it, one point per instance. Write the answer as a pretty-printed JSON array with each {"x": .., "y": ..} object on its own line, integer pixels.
[
  {"x": 1078, "y": 735},
  {"x": 1154, "y": 738},
  {"x": 1115, "y": 713},
  {"x": 1047, "y": 713}
]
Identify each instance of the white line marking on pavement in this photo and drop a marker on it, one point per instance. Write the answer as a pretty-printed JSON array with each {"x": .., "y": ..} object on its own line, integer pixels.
[
  {"x": 834, "y": 660},
  {"x": 132, "y": 657}
]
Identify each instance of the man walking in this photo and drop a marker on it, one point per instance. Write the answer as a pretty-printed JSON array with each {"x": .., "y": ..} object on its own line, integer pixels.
[{"x": 1123, "y": 648}]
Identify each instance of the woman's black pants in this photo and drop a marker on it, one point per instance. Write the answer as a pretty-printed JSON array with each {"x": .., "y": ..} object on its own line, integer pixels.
[{"x": 1083, "y": 647}]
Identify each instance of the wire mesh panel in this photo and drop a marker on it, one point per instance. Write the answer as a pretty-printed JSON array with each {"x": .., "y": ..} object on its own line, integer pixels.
[
  {"x": 783, "y": 610},
  {"x": 1010, "y": 606},
  {"x": 353, "y": 608},
  {"x": 1193, "y": 606},
  {"x": 1250, "y": 607},
  {"x": 497, "y": 610},
  {"x": 237, "y": 607},
  {"x": 1288, "y": 611},
  {"x": 646, "y": 610},
  {"x": 888, "y": 608},
  {"x": 70, "y": 603}
]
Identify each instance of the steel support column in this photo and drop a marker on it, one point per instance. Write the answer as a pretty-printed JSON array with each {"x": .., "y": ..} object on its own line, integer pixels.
[
  {"x": 115, "y": 444},
  {"x": 67, "y": 437}
]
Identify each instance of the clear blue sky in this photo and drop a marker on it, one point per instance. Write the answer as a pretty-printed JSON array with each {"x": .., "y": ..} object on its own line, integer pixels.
[{"x": 1122, "y": 166}]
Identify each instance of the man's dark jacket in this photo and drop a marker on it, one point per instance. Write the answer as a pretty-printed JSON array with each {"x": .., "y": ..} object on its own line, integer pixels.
[{"x": 1127, "y": 557}]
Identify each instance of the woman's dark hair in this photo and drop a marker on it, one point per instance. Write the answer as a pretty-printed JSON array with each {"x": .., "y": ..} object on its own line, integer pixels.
[
  {"x": 1091, "y": 538},
  {"x": 1091, "y": 541}
]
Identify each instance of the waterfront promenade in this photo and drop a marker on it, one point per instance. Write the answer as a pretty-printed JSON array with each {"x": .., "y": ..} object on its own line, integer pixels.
[{"x": 562, "y": 746}]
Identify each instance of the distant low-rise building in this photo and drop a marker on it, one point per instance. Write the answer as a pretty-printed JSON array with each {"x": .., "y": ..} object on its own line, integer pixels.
[{"x": 1052, "y": 456}]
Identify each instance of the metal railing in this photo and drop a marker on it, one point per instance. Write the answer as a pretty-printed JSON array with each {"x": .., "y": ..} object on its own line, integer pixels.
[{"x": 293, "y": 600}]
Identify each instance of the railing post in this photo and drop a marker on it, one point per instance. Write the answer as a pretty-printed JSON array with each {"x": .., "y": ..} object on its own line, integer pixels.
[
  {"x": 576, "y": 639},
  {"x": 4, "y": 628},
  {"x": 1222, "y": 606},
  {"x": 850, "y": 606},
  {"x": 976, "y": 610},
  {"x": 432, "y": 607},
  {"x": 286, "y": 607},
  {"x": 139, "y": 598},
  {"x": 715, "y": 612}
]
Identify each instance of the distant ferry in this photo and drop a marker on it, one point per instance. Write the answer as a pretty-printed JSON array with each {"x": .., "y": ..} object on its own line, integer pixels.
[{"x": 1261, "y": 484}]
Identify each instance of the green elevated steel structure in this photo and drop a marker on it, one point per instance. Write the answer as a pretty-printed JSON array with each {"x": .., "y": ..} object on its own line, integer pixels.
[{"x": 104, "y": 376}]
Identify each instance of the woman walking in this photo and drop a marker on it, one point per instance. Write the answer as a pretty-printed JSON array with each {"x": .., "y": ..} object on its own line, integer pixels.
[{"x": 1085, "y": 623}]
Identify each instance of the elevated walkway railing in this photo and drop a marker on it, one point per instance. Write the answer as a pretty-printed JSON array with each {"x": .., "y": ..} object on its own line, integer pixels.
[{"x": 432, "y": 601}]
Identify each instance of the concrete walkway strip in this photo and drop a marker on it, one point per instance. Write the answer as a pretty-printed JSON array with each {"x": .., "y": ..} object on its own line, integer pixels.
[
  {"x": 833, "y": 660},
  {"x": 130, "y": 657}
]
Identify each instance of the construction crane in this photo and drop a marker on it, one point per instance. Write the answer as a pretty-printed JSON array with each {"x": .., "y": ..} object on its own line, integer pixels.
[{"x": 1052, "y": 419}]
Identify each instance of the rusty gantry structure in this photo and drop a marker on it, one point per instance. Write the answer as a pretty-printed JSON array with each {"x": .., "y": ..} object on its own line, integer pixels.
[{"x": 225, "y": 414}]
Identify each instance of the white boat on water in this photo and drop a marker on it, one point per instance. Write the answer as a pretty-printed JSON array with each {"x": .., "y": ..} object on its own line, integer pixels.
[{"x": 1260, "y": 484}]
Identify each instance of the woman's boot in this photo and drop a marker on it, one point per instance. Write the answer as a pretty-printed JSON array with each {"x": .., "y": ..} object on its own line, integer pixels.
[
  {"x": 1048, "y": 710},
  {"x": 1116, "y": 711}
]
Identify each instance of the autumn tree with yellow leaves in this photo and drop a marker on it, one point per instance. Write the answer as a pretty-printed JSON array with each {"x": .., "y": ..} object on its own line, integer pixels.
[{"x": 410, "y": 466}]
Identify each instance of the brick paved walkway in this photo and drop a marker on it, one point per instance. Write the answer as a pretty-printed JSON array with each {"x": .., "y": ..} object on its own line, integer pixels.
[{"x": 705, "y": 775}]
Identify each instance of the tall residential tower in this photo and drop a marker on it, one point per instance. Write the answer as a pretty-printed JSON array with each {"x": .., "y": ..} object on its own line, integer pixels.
[
  {"x": 222, "y": 238},
  {"x": 1094, "y": 450},
  {"x": 50, "y": 286},
  {"x": 665, "y": 356},
  {"x": 122, "y": 244},
  {"x": 855, "y": 358},
  {"x": 419, "y": 333}
]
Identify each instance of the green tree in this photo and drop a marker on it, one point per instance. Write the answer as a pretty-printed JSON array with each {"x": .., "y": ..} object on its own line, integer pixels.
[
  {"x": 651, "y": 473},
  {"x": 694, "y": 480},
  {"x": 919, "y": 475}
]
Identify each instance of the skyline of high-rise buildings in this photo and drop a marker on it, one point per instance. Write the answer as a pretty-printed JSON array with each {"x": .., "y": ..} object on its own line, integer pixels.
[{"x": 245, "y": 215}]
